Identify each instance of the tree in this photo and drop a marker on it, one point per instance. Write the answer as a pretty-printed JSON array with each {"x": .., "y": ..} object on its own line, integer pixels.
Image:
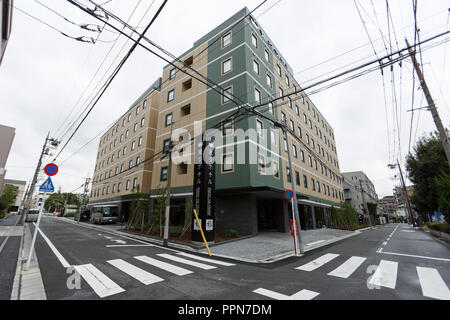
[
  {"x": 427, "y": 162},
  {"x": 443, "y": 182},
  {"x": 345, "y": 217},
  {"x": 139, "y": 207},
  {"x": 56, "y": 199},
  {"x": 8, "y": 196}
]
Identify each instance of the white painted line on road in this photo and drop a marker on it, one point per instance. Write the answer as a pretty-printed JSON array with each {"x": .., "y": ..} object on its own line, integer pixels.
[
  {"x": 433, "y": 286},
  {"x": 302, "y": 295},
  {"x": 188, "y": 262},
  {"x": 135, "y": 272},
  {"x": 385, "y": 243},
  {"x": 53, "y": 248},
  {"x": 313, "y": 265},
  {"x": 313, "y": 243},
  {"x": 164, "y": 266},
  {"x": 385, "y": 275},
  {"x": 346, "y": 269},
  {"x": 99, "y": 282},
  {"x": 128, "y": 245},
  {"x": 413, "y": 256},
  {"x": 221, "y": 263}
]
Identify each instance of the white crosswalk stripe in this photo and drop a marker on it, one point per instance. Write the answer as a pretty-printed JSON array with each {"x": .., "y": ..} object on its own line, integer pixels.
[
  {"x": 315, "y": 264},
  {"x": 346, "y": 269},
  {"x": 188, "y": 262},
  {"x": 99, "y": 282},
  {"x": 221, "y": 263},
  {"x": 433, "y": 286},
  {"x": 385, "y": 275},
  {"x": 135, "y": 272},
  {"x": 164, "y": 266}
]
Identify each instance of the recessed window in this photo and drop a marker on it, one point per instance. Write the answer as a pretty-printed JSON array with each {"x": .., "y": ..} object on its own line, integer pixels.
[
  {"x": 288, "y": 174},
  {"x": 186, "y": 110},
  {"x": 305, "y": 118},
  {"x": 276, "y": 169},
  {"x": 261, "y": 164},
  {"x": 133, "y": 145},
  {"x": 227, "y": 95},
  {"x": 138, "y": 109},
  {"x": 130, "y": 164},
  {"x": 255, "y": 66},
  {"x": 135, "y": 127},
  {"x": 290, "y": 102},
  {"x": 187, "y": 85},
  {"x": 227, "y": 66},
  {"x": 297, "y": 178},
  {"x": 302, "y": 155},
  {"x": 124, "y": 151},
  {"x": 182, "y": 169},
  {"x": 140, "y": 142},
  {"x": 129, "y": 117},
  {"x": 127, "y": 186},
  {"x": 269, "y": 81},
  {"x": 144, "y": 105},
  {"x": 119, "y": 187},
  {"x": 226, "y": 40},
  {"x": 127, "y": 133},
  {"x": 166, "y": 145},
  {"x": 292, "y": 125},
  {"x": 271, "y": 107},
  {"x": 294, "y": 151},
  {"x": 285, "y": 145},
  {"x": 142, "y": 122},
  {"x": 279, "y": 70},
  {"x": 135, "y": 180},
  {"x": 227, "y": 128},
  {"x": 297, "y": 110},
  {"x": 283, "y": 117},
  {"x": 267, "y": 55},
  {"x": 254, "y": 40},
  {"x": 274, "y": 137},
  {"x": 281, "y": 92},
  {"x": 257, "y": 95},
  {"x": 288, "y": 82},
  {"x": 164, "y": 173},
  {"x": 171, "y": 95},
  {"x": 173, "y": 74},
  {"x": 310, "y": 161},
  {"x": 189, "y": 61},
  {"x": 259, "y": 128},
  {"x": 169, "y": 119},
  {"x": 227, "y": 162}
]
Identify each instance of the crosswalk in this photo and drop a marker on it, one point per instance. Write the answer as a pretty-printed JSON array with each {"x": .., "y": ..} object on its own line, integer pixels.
[
  {"x": 385, "y": 275},
  {"x": 104, "y": 286}
]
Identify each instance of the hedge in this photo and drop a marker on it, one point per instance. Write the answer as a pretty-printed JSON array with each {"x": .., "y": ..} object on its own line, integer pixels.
[{"x": 442, "y": 227}]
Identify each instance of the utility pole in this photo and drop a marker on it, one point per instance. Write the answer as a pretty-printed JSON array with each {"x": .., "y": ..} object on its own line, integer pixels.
[
  {"x": 295, "y": 206},
  {"x": 432, "y": 107},
  {"x": 169, "y": 178},
  {"x": 405, "y": 192},
  {"x": 85, "y": 195},
  {"x": 365, "y": 204}
]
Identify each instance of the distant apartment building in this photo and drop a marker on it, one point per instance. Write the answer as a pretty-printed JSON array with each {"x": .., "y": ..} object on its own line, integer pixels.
[
  {"x": 353, "y": 181},
  {"x": 6, "y": 10},
  {"x": 6, "y": 139},
  {"x": 242, "y": 63},
  {"x": 388, "y": 206},
  {"x": 131, "y": 140},
  {"x": 20, "y": 193}
]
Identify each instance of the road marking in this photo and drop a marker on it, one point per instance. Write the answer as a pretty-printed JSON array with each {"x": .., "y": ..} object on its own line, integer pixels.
[
  {"x": 99, "y": 282},
  {"x": 313, "y": 243},
  {"x": 346, "y": 269},
  {"x": 221, "y": 263},
  {"x": 135, "y": 272},
  {"x": 313, "y": 265},
  {"x": 385, "y": 275},
  {"x": 165, "y": 266},
  {"x": 385, "y": 243},
  {"x": 302, "y": 295},
  {"x": 53, "y": 248},
  {"x": 412, "y": 256},
  {"x": 128, "y": 245},
  {"x": 188, "y": 262},
  {"x": 433, "y": 286}
]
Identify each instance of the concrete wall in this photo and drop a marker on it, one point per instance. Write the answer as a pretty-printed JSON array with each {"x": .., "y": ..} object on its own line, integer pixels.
[
  {"x": 6, "y": 139},
  {"x": 237, "y": 213}
]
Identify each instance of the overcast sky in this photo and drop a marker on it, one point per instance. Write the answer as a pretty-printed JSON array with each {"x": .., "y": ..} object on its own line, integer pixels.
[{"x": 43, "y": 74}]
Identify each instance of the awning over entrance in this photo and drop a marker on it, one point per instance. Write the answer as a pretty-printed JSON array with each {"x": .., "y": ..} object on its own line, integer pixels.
[{"x": 314, "y": 203}]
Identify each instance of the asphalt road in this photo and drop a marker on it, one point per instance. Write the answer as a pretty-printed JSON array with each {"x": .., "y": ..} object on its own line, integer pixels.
[
  {"x": 392, "y": 262},
  {"x": 9, "y": 251}
]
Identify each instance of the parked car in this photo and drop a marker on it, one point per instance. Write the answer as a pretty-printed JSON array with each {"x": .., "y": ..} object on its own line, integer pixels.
[
  {"x": 32, "y": 215},
  {"x": 85, "y": 215},
  {"x": 105, "y": 214}
]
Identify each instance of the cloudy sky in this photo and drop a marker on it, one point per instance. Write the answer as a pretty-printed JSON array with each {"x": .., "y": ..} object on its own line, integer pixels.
[{"x": 44, "y": 74}]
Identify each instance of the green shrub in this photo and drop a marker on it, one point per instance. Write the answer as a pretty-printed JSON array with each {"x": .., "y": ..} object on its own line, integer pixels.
[
  {"x": 69, "y": 214},
  {"x": 231, "y": 234},
  {"x": 442, "y": 227},
  {"x": 176, "y": 231},
  {"x": 2, "y": 215}
]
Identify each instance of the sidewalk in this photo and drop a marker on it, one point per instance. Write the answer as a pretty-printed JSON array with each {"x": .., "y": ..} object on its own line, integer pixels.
[{"x": 266, "y": 247}]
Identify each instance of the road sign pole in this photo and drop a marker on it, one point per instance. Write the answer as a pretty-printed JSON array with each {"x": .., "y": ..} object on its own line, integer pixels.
[
  {"x": 294, "y": 225},
  {"x": 35, "y": 233}
]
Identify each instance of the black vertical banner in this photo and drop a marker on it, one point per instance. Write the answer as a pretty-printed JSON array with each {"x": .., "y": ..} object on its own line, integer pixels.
[{"x": 204, "y": 189}]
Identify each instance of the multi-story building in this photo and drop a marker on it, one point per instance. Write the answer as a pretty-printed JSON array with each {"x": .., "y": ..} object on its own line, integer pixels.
[
  {"x": 6, "y": 139},
  {"x": 6, "y": 10},
  {"x": 243, "y": 64},
  {"x": 20, "y": 193},
  {"x": 118, "y": 169},
  {"x": 353, "y": 181},
  {"x": 388, "y": 206}
]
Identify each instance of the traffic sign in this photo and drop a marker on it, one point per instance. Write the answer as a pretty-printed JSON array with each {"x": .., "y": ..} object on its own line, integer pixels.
[
  {"x": 51, "y": 169},
  {"x": 289, "y": 194},
  {"x": 47, "y": 186}
]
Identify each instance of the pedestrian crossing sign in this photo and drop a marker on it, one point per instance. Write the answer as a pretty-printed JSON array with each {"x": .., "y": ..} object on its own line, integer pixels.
[{"x": 47, "y": 186}]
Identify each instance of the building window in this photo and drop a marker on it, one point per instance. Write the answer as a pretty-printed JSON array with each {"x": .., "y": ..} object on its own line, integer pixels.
[
  {"x": 276, "y": 169},
  {"x": 227, "y": 95},
  {"x": 259, "y": 128},
  {"x": 274, "y": 137},
  {"x": 281, "y": 92},
  {"x": 300, "y": 135},
  {"x": 121, "y": 137},
  {"x": 292, "y": 126},
  {"x": 130, "y": 164},
  {"x": 142, "y": 122},
  {"x": 257, "y": 96},
  {"x": 164, "y": 173},
  {"x": 169, "y": 119},
  {"x": 227, "y": 66},
  {"x": 285, "y": 145},
  {"x": 189, "y": 61},
  {"x": 135, "y": 127},
  {"x": 302, "y": 155},
  {"x": 182, "y": 169},
  {"x": 138, "y": 109},
  {"x": 133, "y": 145},
  {"x": 310, "y": 161},
  {"x": 267, "y": 55},
  {"x": 254, "y": 40},
  {"x": 288, "y": 82},
  {"x": 121, "y": 168},
  {"x": 171, "y": 95},
  {"x": 127, "y": 133},
  {"x": 297, "y": 110},
  {"x": 288, "y": 174},
  {"x": 166, "y": 145},
  {"x": 119, "y": 187},
  {"x": 283, "y": 117},
  {"x": 261, "y": 164},
  {"x": 313, "y": 183},
  {"x": 255, "y": 66},
  {"x": 144, "y": 105},
  {"x": 226, "y": 40},
  {"x": 305, "y": 181},
  {"x": 129, "y": 117},
  {"x": 172, "y": 74},
  {"x": 135, "y": 183},
  {"x": 227, "y": 128},
  {"x": 138, "y": 161},
  {"x": 269, "y": 81},
  {"x": 124, "y": 151},
  {"x": 227, "y": 162},
  {"x": 290, "y": 102},
  {"x": 140, "y": 142},
  {"x": 279, "y": 70},
  {"x": 294, "y": 151},
  {"x": 297, "y": 178},
  {"x": 114, "y": 188},
  {"x": 127, "y": 187},
  {"x": 186, "y": 110},
  {"x": 271, "y": 107}
]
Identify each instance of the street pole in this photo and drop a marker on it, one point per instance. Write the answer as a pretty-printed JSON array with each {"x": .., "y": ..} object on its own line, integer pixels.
[
  {"x": 83, "y": 205},
  {"x": 437, "y": 120},
  {"x": 411, "y": 220},
  {"x": 291, "y": 173},
  {"x": 365, "y": 204},
  {"x": 27, "y": 266},
  {"x": 169, "y": 178}
]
